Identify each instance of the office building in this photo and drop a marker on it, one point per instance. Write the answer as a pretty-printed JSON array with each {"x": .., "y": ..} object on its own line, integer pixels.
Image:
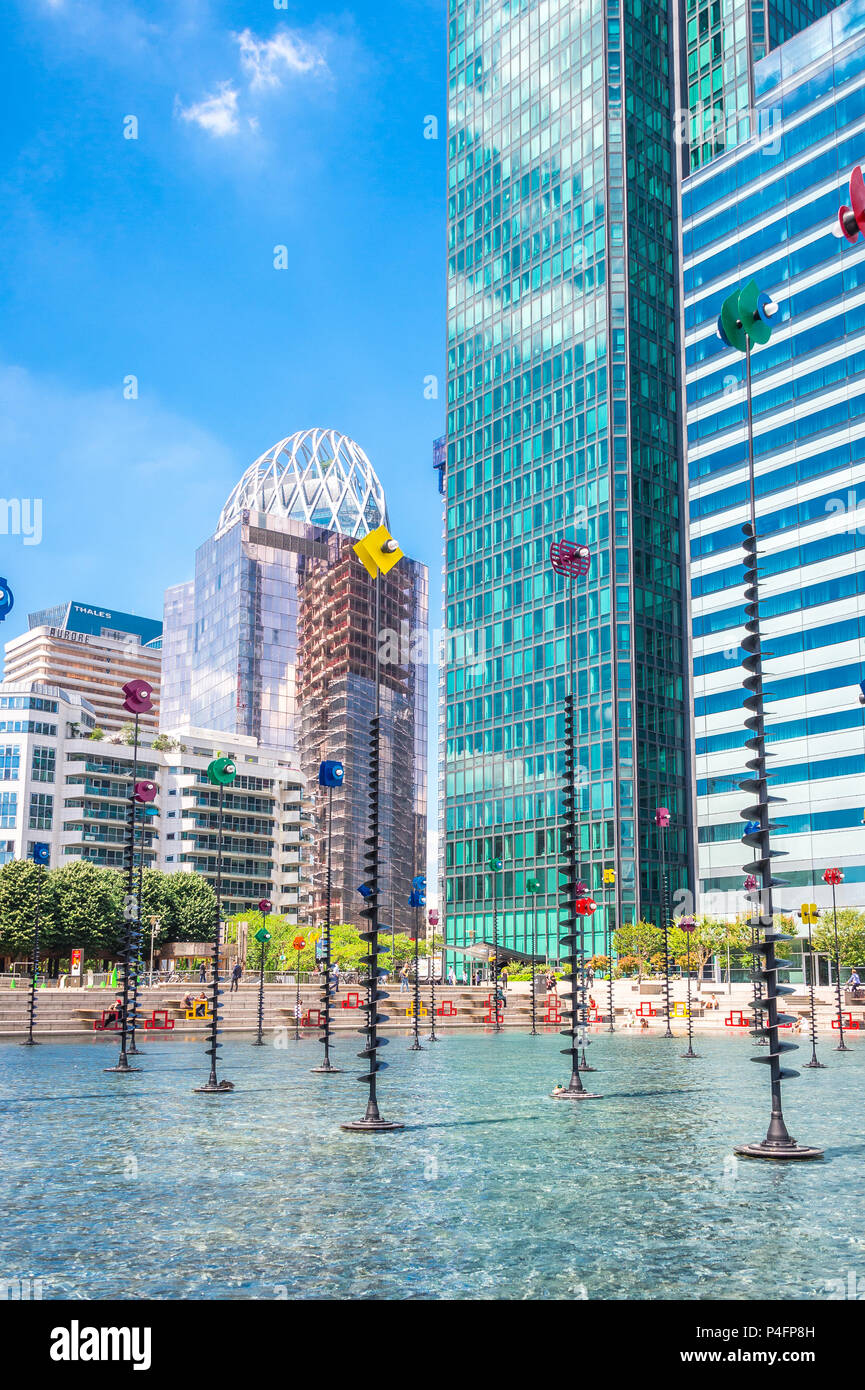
[
  {"x": 767, "y": 211},
  {"x": 562, "y": 423},
  {"x": 273, "y": 640},
  {"x": 93, "y": 651},
  {"x": 64, "y": 788}
]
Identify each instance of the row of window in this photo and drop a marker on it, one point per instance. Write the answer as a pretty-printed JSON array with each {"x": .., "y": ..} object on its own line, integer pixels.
[
  {"x": 794, "y": 513},
  {"x": 41, "y": 810},
  {"x": 787, "y": 644},
  {"x": 777, "y": 605},
  {"x": 781, "y": 561},
  {"x": 791, "y": 688},
  {"x": 793, "y": 825},
  {"x": 813, "y": 771},
  {"x": 806, "y": 727},
  {"x": 842, "y": 455}
]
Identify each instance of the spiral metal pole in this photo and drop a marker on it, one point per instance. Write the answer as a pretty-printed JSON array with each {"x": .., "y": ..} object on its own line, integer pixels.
[
  {"x": 131, "y": 927},
  {"x": 138, "y": 964},
  {"x": 842, "y": 1046},
  {"x": 30, "y": 1041},
  {"x": 534, "y": 1033},
  {"x": 665, "y": 914},
  {"x": 325, "y": 1026},
  {"x": 609, "y": 943},
  {"x": 432, "y": 998},
  {"x": 778, "y": 1143},
  {"x": 690, "y": 1052},
  {"x": 259, "y": 1039},
  {"x": 416, "y": 1045},
  {"x": 812, "y": 1012},
  {"x": 214, "y": 1085},
  {"x": 296, "y": 996},
  {"x": 573, "y": 939},
  {"x": 372, "y": 1119}
]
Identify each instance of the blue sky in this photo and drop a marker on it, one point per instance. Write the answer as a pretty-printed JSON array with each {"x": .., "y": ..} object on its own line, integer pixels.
[{"x": 258, "y": 126}]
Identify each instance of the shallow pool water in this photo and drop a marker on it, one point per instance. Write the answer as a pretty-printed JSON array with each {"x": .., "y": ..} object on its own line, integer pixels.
[{"x": 128, "y": 1187}]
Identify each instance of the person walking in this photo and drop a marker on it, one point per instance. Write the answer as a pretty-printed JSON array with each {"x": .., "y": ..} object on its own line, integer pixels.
[
  {"x": 403, "y": 979},
  {"x": 202, "y": 974},
  {"x": 335, "y": 977},
  {"x": 236, "y": 974}
]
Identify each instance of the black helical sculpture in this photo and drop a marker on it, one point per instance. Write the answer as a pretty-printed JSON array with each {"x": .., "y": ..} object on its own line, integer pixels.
[
  {"x": 220, "y": 773},
  {"x": 330, "y": 774},
  {"x": 571, "y": 940},
  {"x": 778, "y": 1143},
  {"x": 40, "y": 853},
  {"x": 372, "y": 1119}
]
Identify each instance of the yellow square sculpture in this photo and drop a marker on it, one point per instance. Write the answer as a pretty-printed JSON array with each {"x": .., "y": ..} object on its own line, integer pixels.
[{"x": 372, "y": 555}]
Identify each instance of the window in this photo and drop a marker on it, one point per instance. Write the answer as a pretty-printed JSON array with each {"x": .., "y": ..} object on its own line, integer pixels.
[
  {"x": 43, "y": 764},
  {"x": 10, "y": 762},
  {"x": 8, "y": 810},
  {"x": 41, "y": 811}
]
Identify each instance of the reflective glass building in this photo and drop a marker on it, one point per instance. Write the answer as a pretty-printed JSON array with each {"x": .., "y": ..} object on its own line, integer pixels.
[
  {"x": 767, "y": 210},
  {"x": 273, "y": 639},
  {"x": 723, "y": 40},
  {"x": 563, "y": 396}
]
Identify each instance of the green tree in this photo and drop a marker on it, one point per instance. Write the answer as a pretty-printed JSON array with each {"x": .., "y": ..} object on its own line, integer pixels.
[
  {"x": 163, "y": 744},
  {"x": 640, "y": 940},
  {"x": 87, "y": 909},
  {"x": 851, "y": 935},
  {"x": 185, "y": 905},
  {"x": 96, "y": 734},
  {"x": 18, "y": 882}
]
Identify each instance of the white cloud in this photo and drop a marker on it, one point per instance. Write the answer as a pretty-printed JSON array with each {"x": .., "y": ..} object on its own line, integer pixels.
[
  {"x": 267, "y": 61},
  {"x": 215, "y": 114}
]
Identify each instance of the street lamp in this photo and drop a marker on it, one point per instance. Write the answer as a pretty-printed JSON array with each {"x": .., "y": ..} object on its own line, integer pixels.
[
  {"x": 220, "y": 773},
  {"x": 263, "y": 936},
  {"x": 833, "y": 877},
  {"x": 40, "y": 853},
  {"x": 662, "y": 821},
  {"x": 533, "y": 885},
  {"x": 687, "y": 925},
  {"x": 745, "y": 319},
  {"x": 330, "y": 774}
]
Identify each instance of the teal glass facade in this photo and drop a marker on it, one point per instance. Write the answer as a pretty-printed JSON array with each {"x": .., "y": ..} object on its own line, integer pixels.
[{"x": 562, "y": 423}]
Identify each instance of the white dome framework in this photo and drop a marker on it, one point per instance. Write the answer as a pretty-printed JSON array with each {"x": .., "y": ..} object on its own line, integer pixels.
[{"x": 317, "y": 476}]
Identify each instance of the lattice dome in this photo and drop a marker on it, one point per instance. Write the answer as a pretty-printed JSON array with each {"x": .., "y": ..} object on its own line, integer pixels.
[{"x": 317, "y": 476}]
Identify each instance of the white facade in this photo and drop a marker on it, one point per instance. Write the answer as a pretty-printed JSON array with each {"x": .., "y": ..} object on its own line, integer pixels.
[
  {"x": 766, "y": 212},
  {"x": 61, "y": 788}
]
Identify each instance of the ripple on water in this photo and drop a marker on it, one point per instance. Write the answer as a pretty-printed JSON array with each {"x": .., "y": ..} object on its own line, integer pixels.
[{"x": 492, "y": 1190}]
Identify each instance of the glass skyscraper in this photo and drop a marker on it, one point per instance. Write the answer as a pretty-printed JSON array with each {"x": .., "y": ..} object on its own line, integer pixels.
[
  {"x": 767, "y": 211},
  {"x": 563, "y": 422},
  {"x": 274, "y": 639},
  {"x": 723, "y": 41}
]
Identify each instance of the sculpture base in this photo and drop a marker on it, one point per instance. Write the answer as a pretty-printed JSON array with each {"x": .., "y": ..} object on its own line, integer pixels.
[
  {"x": 567, "y": 1094},
  {"x": 213, "y": 1088},
  {"x": 326, "y": 1070},
  {"x": 416, "y": 1047},
  {"x": 122, "y": 1069},
  {"x": 842, "y": 1047},
  {"x": 777, "y": 1151},
  {"x": 813, "y": 1065},
  {"x": 258, "y": 1042},
  {"x": 372, "y": 1125},
  {"x": 689, "y": 1054},
  {"x": 30, "y": 1042}
]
